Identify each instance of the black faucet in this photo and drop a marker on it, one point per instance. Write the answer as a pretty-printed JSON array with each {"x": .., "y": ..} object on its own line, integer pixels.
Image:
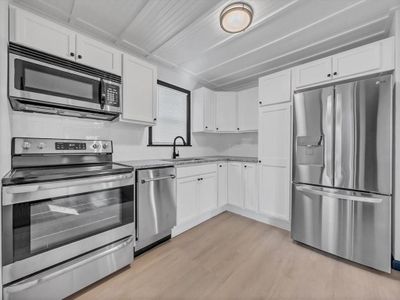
[{"x": 174, "y": 153}]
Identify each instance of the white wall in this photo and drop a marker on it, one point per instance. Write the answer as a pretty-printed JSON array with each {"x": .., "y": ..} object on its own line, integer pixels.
[
  {"x": 395, "y": 31},
  {"x": 130, "y": 141}
]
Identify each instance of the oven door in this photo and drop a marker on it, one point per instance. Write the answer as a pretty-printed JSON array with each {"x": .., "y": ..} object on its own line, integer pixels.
[
  {"x": 42, "y": 82},
  {"x": 48, "y": 223}
]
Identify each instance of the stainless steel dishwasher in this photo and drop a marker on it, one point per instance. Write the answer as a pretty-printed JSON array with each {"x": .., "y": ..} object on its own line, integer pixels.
[{"x": 155, "y": 206}]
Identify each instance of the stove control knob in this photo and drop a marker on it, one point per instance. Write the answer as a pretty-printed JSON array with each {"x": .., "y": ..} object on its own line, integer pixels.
[
  {"x": 95, "y": 146},
  {"x": 105, "y": 146},
  {"x": 41, "y": 146},
  {"x": 26, "y": 145}
]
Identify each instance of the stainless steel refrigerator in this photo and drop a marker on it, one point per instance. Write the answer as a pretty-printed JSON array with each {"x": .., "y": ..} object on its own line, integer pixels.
[{"x": 342, "y": 170}]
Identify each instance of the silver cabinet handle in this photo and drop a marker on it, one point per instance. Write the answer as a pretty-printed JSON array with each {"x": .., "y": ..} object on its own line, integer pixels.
[
  {"x": 158, "y": 178},
  {"x": 29, "y": 283},
  {"x": 321, "y": 192}
]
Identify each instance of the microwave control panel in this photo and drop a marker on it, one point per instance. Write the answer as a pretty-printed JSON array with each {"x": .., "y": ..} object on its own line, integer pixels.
[{"x": 112, "y": 94}]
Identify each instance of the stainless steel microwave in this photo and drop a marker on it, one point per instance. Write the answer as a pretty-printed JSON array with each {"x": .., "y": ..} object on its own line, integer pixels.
[{"x": 39, "y": 82}]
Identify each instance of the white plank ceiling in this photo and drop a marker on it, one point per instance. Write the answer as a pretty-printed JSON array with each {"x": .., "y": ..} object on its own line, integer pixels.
[{"x": 185, "y": 34}]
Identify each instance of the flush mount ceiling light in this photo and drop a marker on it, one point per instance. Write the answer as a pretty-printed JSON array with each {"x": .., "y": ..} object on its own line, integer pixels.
[{"x": 236, "y": 17}]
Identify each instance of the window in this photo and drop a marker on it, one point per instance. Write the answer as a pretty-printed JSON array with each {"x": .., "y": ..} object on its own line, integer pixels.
[{"x": 173, "y": 116}]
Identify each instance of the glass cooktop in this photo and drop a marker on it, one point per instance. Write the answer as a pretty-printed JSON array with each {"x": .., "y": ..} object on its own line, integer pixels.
[{"x": 40, "y": 174}]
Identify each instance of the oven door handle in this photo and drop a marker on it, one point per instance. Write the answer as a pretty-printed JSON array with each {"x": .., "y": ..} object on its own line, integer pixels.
[
  {"x": 33, "y": 192},
  {"x": 29, "y": 283}
]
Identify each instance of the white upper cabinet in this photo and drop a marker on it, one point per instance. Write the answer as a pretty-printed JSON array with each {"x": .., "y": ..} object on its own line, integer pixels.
[
  {"x": 97, "y": 55},
  {"x": 203, "y": 113},
  {"x": 226, "y": 112},
  {"x": 247, "y": 103},
  {"x": 275, "y": 88},
  {"x": 38, "y": 33},
  {"x": 375, "y": 57},
  {"x": 139, "y": 86},
  {"x": 317, "y": 71},
  {"x": 372, "y": 58}
]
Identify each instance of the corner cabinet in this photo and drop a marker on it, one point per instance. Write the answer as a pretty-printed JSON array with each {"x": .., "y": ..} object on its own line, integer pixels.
[
  {"x": 41, "y": 34},
  {"x": 224, "y": 112},
  {"x": 139, "y": 91},
  {"x": 274, "y": 161},
  {"x": 368, "y": 59}
]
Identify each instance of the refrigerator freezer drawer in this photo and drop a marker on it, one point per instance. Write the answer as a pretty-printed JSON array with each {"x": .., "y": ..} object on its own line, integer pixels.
[{"x": 352, "y": 225}]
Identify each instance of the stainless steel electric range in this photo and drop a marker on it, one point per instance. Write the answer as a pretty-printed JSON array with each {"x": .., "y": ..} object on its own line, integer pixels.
[{"x": 67, "y": 216}]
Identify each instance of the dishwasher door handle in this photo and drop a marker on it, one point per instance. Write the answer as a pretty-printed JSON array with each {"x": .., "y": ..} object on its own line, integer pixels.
[{"x": 158, "y": 178}]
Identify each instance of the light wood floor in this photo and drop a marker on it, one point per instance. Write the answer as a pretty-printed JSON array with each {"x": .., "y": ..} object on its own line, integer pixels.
[{"x": 232, "y": 257}]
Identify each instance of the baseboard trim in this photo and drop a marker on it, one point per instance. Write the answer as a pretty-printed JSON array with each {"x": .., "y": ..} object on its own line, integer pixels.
[
  {"x": 396, "y": 264},
  {"x": 177, "y": 230},
  {"x": 267, "y": 219}
]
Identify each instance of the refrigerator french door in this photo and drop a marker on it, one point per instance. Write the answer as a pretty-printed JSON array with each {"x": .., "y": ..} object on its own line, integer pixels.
[{"x": 342, "y": 170}]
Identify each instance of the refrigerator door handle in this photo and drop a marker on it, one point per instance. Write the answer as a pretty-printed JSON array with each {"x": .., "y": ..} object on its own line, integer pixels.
[
  {"x": 329, "y": 137},
  {"x": 375, "y": 199}
]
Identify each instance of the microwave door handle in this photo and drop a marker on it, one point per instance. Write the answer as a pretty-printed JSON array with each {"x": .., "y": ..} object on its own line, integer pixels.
[
  {"x": 102, "y": 94},
  {"x": 22, "y": 83}
]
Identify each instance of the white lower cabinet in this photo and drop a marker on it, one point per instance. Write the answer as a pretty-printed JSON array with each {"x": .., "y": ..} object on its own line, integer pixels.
[
  {"x": 197, "y": 193},
  {"x": 186, "y": 199},
  {"x": 235, "y": 196},
  {"x": 222, "y": 184},
  {"x": 250, "y": 186},
  {"x": 207, "y": 193},
  {"x": 275, "y": 191}
]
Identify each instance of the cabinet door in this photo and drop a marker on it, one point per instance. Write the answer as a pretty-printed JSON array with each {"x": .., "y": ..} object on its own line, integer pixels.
[
  {"x": 275, "y": 190},
  {"x": 275, "y": 88},
  {"x": 97, "y": 55},
  {"x": 247, "y": 103},
  {"x": 186, "y": 193},
  {"x": 360, "y": 60},
  {"x": 274, "y": 156},
  {"x": 317, "y": 71},
  {"x": 38, "y": 33},
  {"x": 139, "y": 81},
  {"x": 203, "y": 110},
  {"x": 235, "y": 196},
  {"x": 250, "y": 186},
  {"x": 222, "y": 184},
  {"x": 226, "y": 115},
  {"x": 207, "y": 193}
]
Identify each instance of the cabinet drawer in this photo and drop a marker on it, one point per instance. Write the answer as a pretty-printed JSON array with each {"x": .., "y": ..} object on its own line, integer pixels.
[{"x": 194, "y": 170}]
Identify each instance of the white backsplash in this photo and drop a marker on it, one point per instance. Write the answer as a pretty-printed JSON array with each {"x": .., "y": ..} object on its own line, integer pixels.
[{"x": 130, "y": 140}]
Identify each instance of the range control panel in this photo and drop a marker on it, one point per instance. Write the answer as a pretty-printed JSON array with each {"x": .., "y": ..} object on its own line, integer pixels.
[
  {"x": 70, "y": 146},
  {"x": 48, "y": 146}
]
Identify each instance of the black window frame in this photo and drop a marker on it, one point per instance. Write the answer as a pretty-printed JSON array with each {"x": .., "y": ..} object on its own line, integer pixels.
[{"x": 188, "y": 138}]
